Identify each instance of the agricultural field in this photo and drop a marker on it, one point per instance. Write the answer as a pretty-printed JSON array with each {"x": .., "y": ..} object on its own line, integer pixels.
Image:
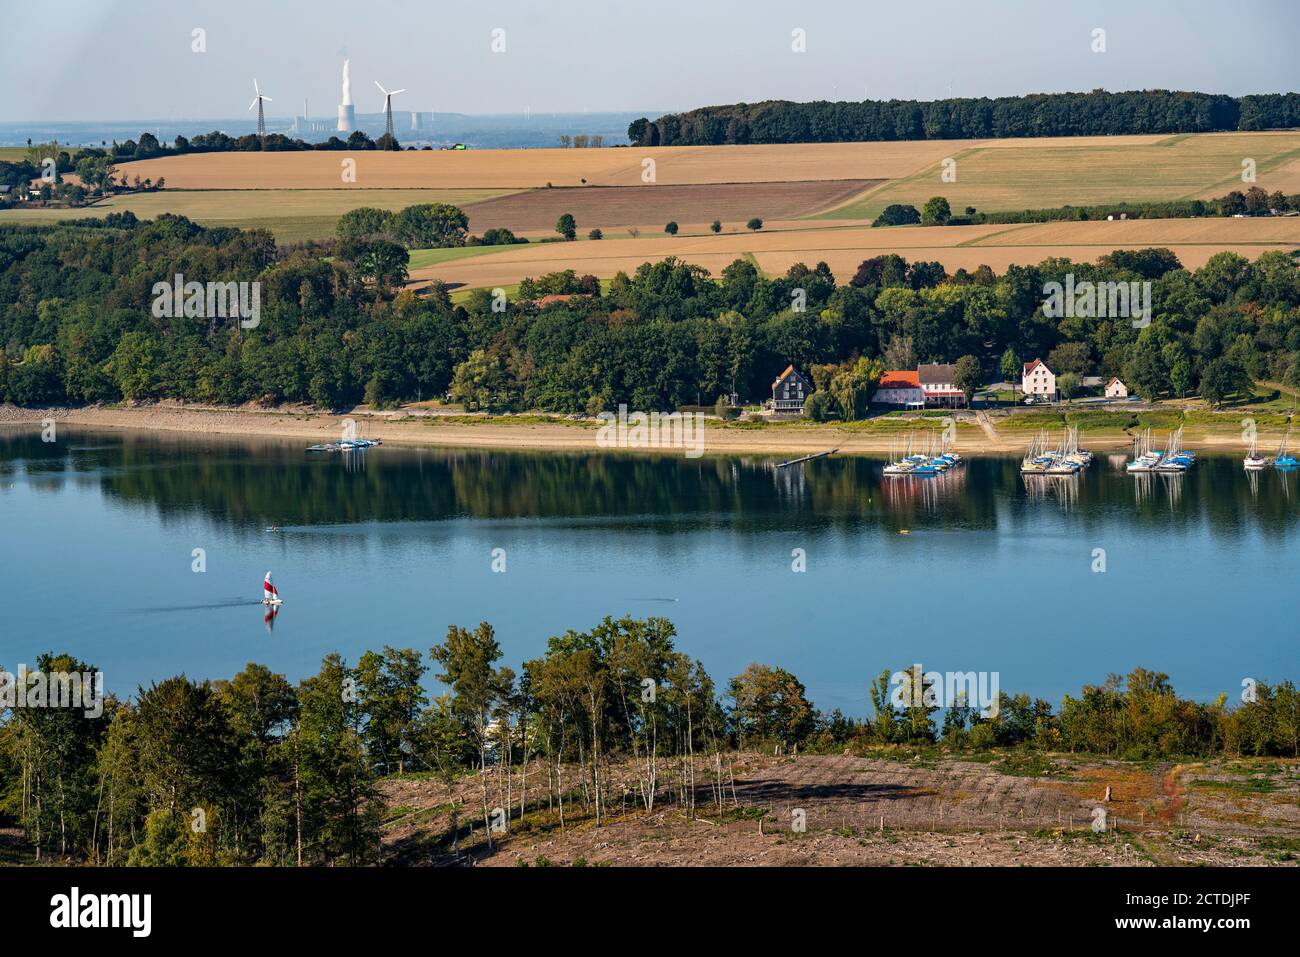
[
  {"x": 999, "y": 175},
  {"x": 524, "y": 169},
  {"x": 1193, "y": 241},
  {"x": 291, "y": 214},
  {"x": 615, "y": 207},
  {"x": 815, "y": 199}
]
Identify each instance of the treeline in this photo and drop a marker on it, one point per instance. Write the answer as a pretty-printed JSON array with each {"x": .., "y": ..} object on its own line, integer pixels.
[
  {"x": 1097, "y": 113},
  {"x": 1254, "y": 201},
  {"x": 76, "y": 324},
  {"x": 74, "y": 159},
  {"x": 258, "y": 770}
]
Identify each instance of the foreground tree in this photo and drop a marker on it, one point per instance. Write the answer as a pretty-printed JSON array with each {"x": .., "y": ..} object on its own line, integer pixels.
[{"x": 468, "y": 661}]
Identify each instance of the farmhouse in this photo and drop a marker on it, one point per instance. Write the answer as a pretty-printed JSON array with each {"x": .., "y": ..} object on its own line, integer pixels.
[
  {"x": 1115, "y": 389},
  {"x": 789, "y": 391},
  {"x": 938, "y": 388},
  {"x": 901, "y": 389},
  {"x": 1037, "y": 379}
]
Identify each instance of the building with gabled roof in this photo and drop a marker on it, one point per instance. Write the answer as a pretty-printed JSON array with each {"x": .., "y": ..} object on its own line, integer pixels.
[
  {"x": 938, "y": 386},
  {"x": 789, "y": 392},
  {"x": 1037, "y": 379},
  {"x": 899, "y": 388}
]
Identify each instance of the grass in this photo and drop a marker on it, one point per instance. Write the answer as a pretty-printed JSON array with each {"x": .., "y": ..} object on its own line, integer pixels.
[
  {"x": 1029, "y": 176},
  {"x": 292, "y": 215},
  {"x": 421, "y": 258},
  {"x": 1250, "y": 786}
]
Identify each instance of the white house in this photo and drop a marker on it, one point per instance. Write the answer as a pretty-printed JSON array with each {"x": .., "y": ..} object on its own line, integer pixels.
[
  {"x": 1037, "y": 379},
  {"x": 1115, "y": 389},
  {"x": 938, "y": 387},
  {"x": 901, "y": 389}
]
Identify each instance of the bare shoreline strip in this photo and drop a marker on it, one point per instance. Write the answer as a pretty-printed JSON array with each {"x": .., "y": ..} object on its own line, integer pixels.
[{"x": 423, "y": 430}]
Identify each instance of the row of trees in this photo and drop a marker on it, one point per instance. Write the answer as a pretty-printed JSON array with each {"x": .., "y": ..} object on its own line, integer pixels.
[
  {"x": 259, "y": 770},
  {"x": 76, "y": 323},
  {"x": 1097, "y": 113},
  {"x": 1254, "y": 201}
]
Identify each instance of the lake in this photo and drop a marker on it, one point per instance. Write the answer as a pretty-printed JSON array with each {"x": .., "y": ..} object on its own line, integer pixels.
[{"x": 976, "y": 570}]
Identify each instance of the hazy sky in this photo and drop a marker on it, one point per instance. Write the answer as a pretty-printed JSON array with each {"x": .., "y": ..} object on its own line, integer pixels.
[{"x": 117, "y": 60}]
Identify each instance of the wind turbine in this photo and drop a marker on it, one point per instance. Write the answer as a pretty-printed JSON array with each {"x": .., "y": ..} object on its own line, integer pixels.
[
  {"x": 257, "y": 102},
  {"x": 388, "y": 108}
]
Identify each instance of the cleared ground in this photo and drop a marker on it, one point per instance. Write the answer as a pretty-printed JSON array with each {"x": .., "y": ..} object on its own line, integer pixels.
[
  {"x": 1194, "y": 242},
  {"x": 983, "y": 810},
  {"x": 1024, "y": 174}
]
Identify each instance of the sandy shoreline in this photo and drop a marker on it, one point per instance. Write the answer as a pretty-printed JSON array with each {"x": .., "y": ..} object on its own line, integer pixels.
[{"x": 415, "y": 429}]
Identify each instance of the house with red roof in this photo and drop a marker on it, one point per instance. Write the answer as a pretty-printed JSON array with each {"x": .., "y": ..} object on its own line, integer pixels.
[{"x": 900, "y": 388}]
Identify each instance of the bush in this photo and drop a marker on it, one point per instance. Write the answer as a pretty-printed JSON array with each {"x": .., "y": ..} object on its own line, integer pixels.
[
  {"x": 819, "y": 406},
  {"x": 716, "y": 226},
  {"x": 937, "y": 212},
  {"x": 671, "y": 229},
  {"x": 754, "y": 224},
  {"x": 898, "y": 214},
  {"x": 596, "y": 234}
]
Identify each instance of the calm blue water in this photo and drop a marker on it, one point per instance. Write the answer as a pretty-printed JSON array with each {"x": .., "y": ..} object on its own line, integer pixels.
[{"x": 98, "y": 531}]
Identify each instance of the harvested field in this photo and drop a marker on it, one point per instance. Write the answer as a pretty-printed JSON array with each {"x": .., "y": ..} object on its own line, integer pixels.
[
  {"x": 1285, "y": 178},
  {"x": 617, "y": 207},
  {"x": 523, "y": 169},
  {"x": 1027, "y": 174},
  {"x": 1194, "y": 241},
  {"x": 291, "y": 214}
]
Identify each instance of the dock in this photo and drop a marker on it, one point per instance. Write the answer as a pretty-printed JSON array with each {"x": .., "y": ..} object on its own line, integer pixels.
[{"x": 808, "y": 458}]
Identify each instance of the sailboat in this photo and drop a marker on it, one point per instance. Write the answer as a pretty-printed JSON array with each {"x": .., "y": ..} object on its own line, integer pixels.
[
  {"x": 1253, "y": 460},
  {"x": 1144, "y": 460},
  {"x": 901, "y": 466},
  {"x": 1284, "y": 459},
  {"x": 269, "y": 595}
]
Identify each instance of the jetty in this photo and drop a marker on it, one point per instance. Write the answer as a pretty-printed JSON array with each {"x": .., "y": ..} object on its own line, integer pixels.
[{"x": 808, "y": 458}]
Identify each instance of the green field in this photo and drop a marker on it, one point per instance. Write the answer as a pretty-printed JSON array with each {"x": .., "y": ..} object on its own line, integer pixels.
[
  {"x": 1035, "y": 175},
  {"x": 291, "y": 214},
  {"x": 420, "y": 258}
]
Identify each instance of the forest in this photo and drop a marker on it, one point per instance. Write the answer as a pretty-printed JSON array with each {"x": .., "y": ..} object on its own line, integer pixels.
[
  {"x": 256, "y": 769},
  {"x": 1097, "y": 113},
  {"x": 334, "y": 330}
]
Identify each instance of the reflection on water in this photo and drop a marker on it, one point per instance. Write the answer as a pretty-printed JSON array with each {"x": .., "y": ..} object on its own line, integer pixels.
[
  {"x": 391, "y": 546},
  {"x": 255, "y": 486}
]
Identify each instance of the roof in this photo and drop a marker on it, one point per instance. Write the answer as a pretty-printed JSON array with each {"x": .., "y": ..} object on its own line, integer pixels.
[
  {"x": 1031, "y": 366},
  {"x": 902, "y": 379},
  {"x": 1113, "y": 380},
  {"x": 788, "y": 370},
  {"x": 936, "y": 373}
]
